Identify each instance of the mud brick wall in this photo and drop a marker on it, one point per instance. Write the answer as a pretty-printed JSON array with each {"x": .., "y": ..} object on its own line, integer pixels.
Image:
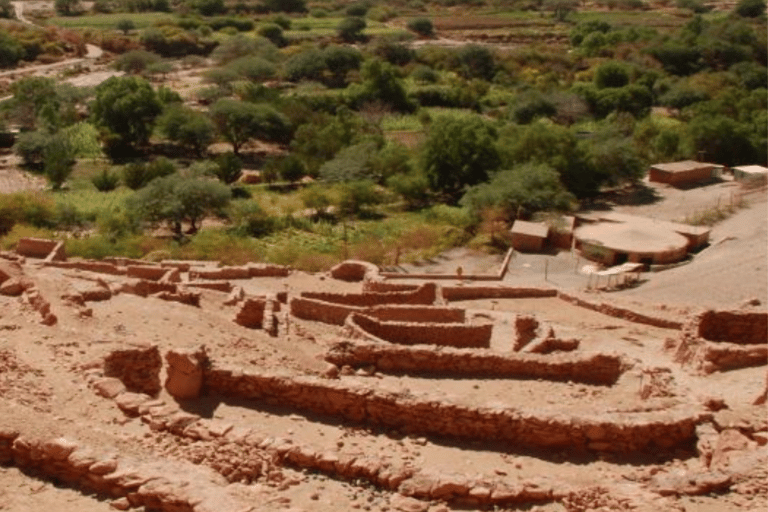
[
  {"x": 185, "y": 265},
  {"x": 454, "y": 293},
  {"x": 144, "y": 288},
  {"x": 137, "y": 367},
  {"x": 591, "y": 369},
  {"x": 267, "y": 270},
  {"x": 730, "y": 356},
  {"x": 373, "y": 286},
  {"x": 251, "y": 313},
  {"x": 626, "y": 433},
  {"x": 222, "y": 273},
  {"x": 220, "y": 286},
  {"x": 413, "y": 333},
  {"x": 91, "y": 266},
  {"x": 423, "y": 314},
  {"x": 150, "y": 272},
  {"x": 424, "y": 294},
  {"x": 623, "y": 313},
  {"x": 748, "y": 328},
  {"x": 319, "y": 311},
  {"x": 35, "y": 247},
  {"x": 167, "y": 486}
]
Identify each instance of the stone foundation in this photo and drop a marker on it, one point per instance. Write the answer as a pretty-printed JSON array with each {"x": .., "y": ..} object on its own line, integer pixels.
[
  {"x": 137, "y": 367},
  {"x": 601, "y": 369},
  {"x": 456, "y": 293},
  {"x": 425, "y": 294},
  {"x": 412, "y": 333},
  {"x": 622, "y": 313}
]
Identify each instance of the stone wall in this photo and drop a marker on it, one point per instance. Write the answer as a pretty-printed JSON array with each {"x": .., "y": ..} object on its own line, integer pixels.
[
  {"x": 39, "y": 248},
  {"x": 747, "y": 328},
  {"x": 588, "y": 368},
  {"x": 420, "y": 314},
  {"x": 222, "y": 273},
  {"x": 456, "y": 293},
  {"x": 424, "y": 294},
  {"x": 167, "y": 486},
  {"x": 628, "y": 433},
  {"x": 353, "y": 270},
  {"x": 92, "y": 266},
  {"x": 136, "y": 366},
  {"x": 415, "y": 333},
  {"x": 320, "y": 311},
  {"x": 150, "y": 272},
  {"x": 617, "y": 312},
  {"x": 374, "y": 286}
]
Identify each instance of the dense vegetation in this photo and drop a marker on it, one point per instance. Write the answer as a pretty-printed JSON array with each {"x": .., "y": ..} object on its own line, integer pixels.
[{"x": 332, "y": 89}]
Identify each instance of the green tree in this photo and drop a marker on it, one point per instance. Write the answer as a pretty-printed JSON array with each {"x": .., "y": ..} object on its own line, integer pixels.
[
  {"x": 457, "y": 153},
  {"x": 285, "y": 5},
  {"x": 476, "y": 61},
  {"x": 356, "y": 196},
  {"x": 532, "y": 187},
  {"x": 238, "y": 121},
  {"x": 352, "y": 163},
  {"x": 307, "y": 65},
  {"x": 422, "y": 26},
  {"x": 209, "y": 7},
  {"x": 125, "y": 25},
  {"x": 722, "y": 140},
  {"x": 381, "y": 83},
  {"x": 67, "y": 7},
  {"x": 350, "y": 29},
  {"x": 274, "y": 33},
  {"x": 187, "y": 126},
  {"x": 30, "y": 146},
  {"x": 611, "y": 74},
  {"x": 6, "y": 10},
  {"x": 125, "y": 108},
  {"x": 136, "y": 61},
  {"x": 340, "y": 60},
  {"x": 177, "y": 199},
  {"x": 228, "y": 168},
  {"x": 58, "y": 156},
  {"x": 11, "y": 50},
  {"x": 750, "y": 8}
]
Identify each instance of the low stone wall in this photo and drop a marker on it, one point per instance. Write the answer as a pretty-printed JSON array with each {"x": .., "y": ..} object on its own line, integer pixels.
[
  {"x": 602, "y": 369},
  {"x": 413, "y": 333},
  {"x": 144, "y": 288},
  {"x": 731, "y": 356},
  {"x": 150, "y": 272},
  {"x": 223, "y": 273},
  {"x": 219, "y": 286},
  {"x": 163, "y": 485},
  {"x": 628, "y": 433},
  {"x": 419, "y": 314},
  {"x": 268, "y": 270},
  {"x": 320, "y": 311},
  {"x": 747, "y": 328},
  {"x": 137, "y": 367},
  {"x": 456, "y": 293},
  {"x": 425, "y": 294},
  {"x": 617, "y": 312},
  {"x": 92, "y": 266},
  {"x": 375, "y": 286},
  {"x": 185, "y": 265},
  {"x": 41, "y": 248}
]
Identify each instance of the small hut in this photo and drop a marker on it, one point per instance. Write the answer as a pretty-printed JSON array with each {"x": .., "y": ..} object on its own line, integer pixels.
[
  {"x": 683, "y": 174},
  {"x": 529, "y": 236}
]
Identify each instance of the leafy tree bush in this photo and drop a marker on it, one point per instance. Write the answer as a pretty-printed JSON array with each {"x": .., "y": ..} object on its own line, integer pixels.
[
  {"x": 723, "y": 140},
  {"x": 67, "y": 7},
  {"x": 59, "y": 160},
  {"x": 530, "y": 106},
  {"x": 318, "y": 139},
  {"x": 224, "y": 22},
  {"x": 616, "y": 158},
  {"x": 413, "y": 187},
  {"x": 250, "y": 219},
  {"x": 353, "y": 163},
  {"x": 307, "y": 65},
  {"x": 422, "y": 26},
  {"x": 425, "y": 74},
  {"x": 228, "y": 168},
  {"x": 694, "y": 5},
  {"x": 356, "y": 196},
  {"x": 238, "y": 121},
  {"x": 139, "y": 175},
  {"x": 381, "y": 82},
  {"x": 125, "y": 108},
  {"x": 106, "y": 181},
  {"x": 136, "y": 61},
  {"x": 274, "y": 33},
  {"x": 583, "y": 29},
  {"x": 393, "y": 52},
  {"x": 209, "y": 7},
  {"x": 6, "y": 10},
  {"x": 291, "y": 169},
  {"x": 350, "y": 29},
  {"x": 678, "y": 58},
  {"x": 176, "y": 199},
  {"x": 531, "y": 187},
  {"x": 252, "y": 68},
  {"x": 35, "y": 209},
  {"x": 340, "y": 60},
  {"x": 457, "y": 153},
  {"x": 125, "y": 25},
  {"x": 30, "y": 147},
  {"x": 476, "y": 61},
  {"x": 188, "y": 127},
  {"x": 750, "y": 8},
  {"x": 11, "y": 50},
  {"x": 242, "y": 46},
  {"x": 316, "y": 199},
  {"x": 611, "y": 74},
  {"x": 285, "y": 5},
  {"x": 359, "y": 9}
]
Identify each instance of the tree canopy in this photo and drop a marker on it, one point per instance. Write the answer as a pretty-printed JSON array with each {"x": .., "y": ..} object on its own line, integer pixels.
[{"x": 125, "y": 108}]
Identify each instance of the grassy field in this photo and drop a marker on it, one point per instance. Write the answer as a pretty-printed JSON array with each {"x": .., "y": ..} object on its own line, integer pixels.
[{"x": 109, "y": 21}]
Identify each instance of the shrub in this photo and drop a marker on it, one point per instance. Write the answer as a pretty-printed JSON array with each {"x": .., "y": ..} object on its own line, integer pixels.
[
  {"x": 59, "y": 160},
  {"x": 750, "y": 8},
  {"x": 105, "y": 181},
  {"x": 136, "y": 61},
  {"x": 425, "y": 74},
  {"x": 611, "y": 74},
  {"x": 359, "y": 10},
  {"x": 253, "y": 68},
  {"x": 125, "y": 25},
  {"x": 228, "y": 168},
  {"x": 26, "y": 207},
  {"x": 350, "y": 29},
  {"x": 421, "y": 26},
  {"x": 274, "y": 33},
  {"x": 248, "y": 218},
  {"x": 30, "y": 146},
  {"x": 11, "y": 50}
]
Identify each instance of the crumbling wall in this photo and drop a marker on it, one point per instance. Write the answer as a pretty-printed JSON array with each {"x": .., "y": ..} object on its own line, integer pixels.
[
  {"x": 219, "y": 286},
  {"x": 421, "y": 314},
  {"x": 320, "y": 311},
  {"x": 41, "y": 248},
  {"x": 623, "y": 313},
  {"x": 526, "y": 330},
  {"x": 740, "y": 327},
  {"x": 136, "y": 366},
  {"x": 722, "y": 340},
  {"x": 374, "y": 286},
  {"x": 624, "y": 433},
  {"x": 222, "y": 273},
  {"x": 424, "y": 294},
  {"x": 92, "y": 266},
  {"x": 168, "y": 486},
  {"x": 414, "y": 333},
  {"x": 455, "y": 293},
  {"x": 150, "y": 272},
  {"x": 589, "y": 368}
]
